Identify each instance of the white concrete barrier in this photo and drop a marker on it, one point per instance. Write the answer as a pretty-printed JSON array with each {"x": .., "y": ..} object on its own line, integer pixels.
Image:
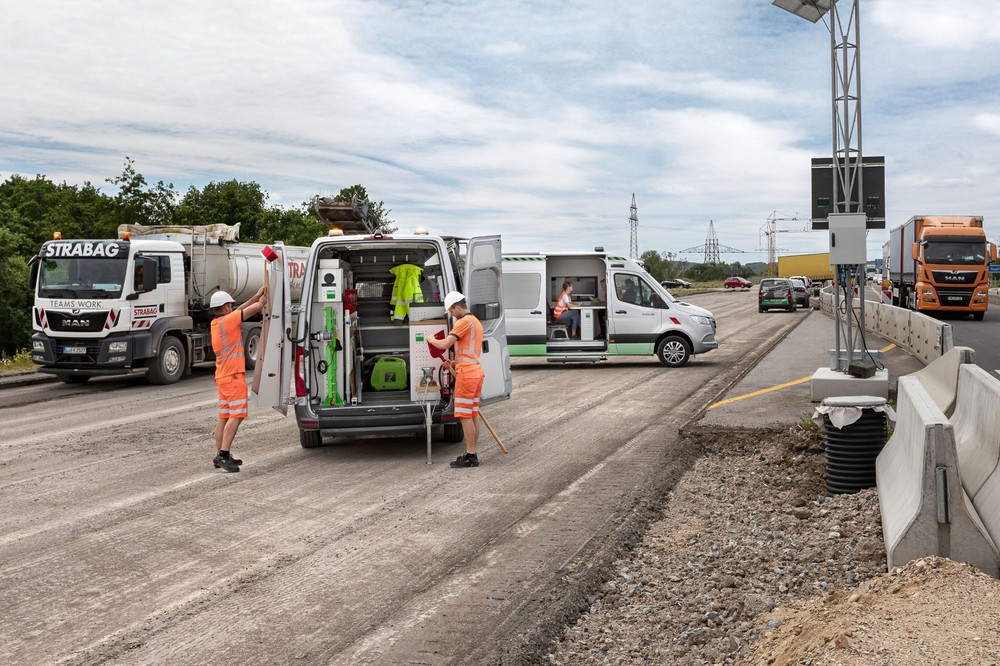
[
  {"x": 924, "y": 337},
  {"x": 925, "y": 510},
  {"x": 977, "y": 431},
  {"x": 940, "y": 377}
]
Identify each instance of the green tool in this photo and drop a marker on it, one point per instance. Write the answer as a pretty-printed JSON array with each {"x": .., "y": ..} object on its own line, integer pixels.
[{"x": 332, "y": 347}]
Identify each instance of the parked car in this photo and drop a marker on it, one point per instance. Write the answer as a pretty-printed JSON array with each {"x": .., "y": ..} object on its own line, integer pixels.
[
  {"x": 806, "y": 281},
  {"x": 737, "y": 282},
  {"x": 676, "y": 283},
  {"x": 775, "y": 293},
  {"x": 800, "y": 292}
]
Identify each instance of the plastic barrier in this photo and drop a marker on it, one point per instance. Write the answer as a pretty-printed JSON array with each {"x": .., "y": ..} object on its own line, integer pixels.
[{"x": 925, "y": 510}]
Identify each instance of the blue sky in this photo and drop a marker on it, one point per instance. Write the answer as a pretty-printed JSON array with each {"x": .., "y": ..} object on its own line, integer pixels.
[{"x": 535, "y": 120}]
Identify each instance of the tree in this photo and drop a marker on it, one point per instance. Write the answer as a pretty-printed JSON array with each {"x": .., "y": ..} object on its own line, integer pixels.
[
  {"x": 378, "y": 209},
  {"x": 15, "y": 306},
  {"x": 137, "y": 203}
]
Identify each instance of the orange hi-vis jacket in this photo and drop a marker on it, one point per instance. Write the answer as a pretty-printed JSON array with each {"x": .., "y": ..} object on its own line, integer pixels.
[
  {"x": 561, "y": 305},
  {"x": 227, "y": 343},
  {"x": 469, "y": 331}
]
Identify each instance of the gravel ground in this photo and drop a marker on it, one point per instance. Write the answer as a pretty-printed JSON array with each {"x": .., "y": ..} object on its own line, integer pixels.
[{"x": 753, "y": 563}]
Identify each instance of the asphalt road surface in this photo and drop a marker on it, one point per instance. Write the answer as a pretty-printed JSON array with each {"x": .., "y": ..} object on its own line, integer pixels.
[{"x": 120, "y": 543}]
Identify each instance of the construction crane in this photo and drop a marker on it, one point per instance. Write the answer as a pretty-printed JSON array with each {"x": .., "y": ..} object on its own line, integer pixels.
[
  {"x": 711, "y": 248},
  {"x": 771, "y": 230}
]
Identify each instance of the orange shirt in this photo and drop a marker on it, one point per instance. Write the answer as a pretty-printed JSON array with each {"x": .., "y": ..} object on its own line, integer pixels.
[
  {"x": 227, "y": 343},
  {"x": 561, "y": 305},
  {"x": 469, "y": 332}
]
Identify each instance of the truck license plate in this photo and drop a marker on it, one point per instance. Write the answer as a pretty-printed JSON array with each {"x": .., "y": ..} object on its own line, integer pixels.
[
  {"x": 954, "y": 298},
  {"x": 74, "y": 350}
]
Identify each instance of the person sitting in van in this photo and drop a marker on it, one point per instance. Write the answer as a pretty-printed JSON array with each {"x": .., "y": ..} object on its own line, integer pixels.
[
  {"x": 629, "y": 293},
  {"x": 563, "y": 311}
]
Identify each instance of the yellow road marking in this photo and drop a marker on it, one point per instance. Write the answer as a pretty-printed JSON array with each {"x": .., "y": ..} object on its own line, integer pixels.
[{"x": 779, "y": 386}]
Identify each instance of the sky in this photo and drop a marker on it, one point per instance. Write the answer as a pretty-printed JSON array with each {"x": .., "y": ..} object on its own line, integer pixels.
[{"x": 538, "y": 121}]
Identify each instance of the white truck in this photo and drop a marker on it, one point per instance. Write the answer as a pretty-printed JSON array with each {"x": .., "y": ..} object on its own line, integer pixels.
[
  {"x": 356, "y": 361},
  {"x": 140, "y": 302},
  {"x": 623, "y": 311}
]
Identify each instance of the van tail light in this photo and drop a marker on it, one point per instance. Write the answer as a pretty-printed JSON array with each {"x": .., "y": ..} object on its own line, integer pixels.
[{"x": 300, "y": 375}]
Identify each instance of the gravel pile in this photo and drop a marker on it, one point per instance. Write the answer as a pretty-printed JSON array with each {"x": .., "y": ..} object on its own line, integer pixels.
[{"x": 749, "y": 529}]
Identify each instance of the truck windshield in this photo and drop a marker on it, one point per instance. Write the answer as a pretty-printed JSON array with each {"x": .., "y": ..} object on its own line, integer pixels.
[
  {"x": 82, "y": 277},
  {"x": 955, "y": 252}
]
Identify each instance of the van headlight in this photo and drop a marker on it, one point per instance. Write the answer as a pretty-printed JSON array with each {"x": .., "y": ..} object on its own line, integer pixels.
[{"x": 704, "y": 321}]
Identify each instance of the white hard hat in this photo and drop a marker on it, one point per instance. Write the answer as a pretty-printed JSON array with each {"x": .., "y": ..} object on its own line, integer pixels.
[
  {"x": 219, "y": 299},
  {"x": 452, "y": 298}
]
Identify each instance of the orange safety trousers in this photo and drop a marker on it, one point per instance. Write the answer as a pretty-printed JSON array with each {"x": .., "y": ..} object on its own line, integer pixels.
[
  {"x": 232, "y": 396},
  {"x": 468, "y": 387}
]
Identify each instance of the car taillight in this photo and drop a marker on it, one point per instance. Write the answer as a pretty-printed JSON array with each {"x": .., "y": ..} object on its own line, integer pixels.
[{"x": 300, "y": 375}]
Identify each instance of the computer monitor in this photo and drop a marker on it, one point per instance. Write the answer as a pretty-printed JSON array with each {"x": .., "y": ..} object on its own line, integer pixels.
[{"x": 584, "y": 286}]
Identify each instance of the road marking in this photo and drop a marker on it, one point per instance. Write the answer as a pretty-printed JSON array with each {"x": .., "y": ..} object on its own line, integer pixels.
[{"x": 781, "y": 386}]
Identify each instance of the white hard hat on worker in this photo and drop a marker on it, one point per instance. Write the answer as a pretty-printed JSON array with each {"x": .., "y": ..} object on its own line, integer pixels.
[
  {"x": 219, "y": 299},
  {"x": 452, "y": 298}
]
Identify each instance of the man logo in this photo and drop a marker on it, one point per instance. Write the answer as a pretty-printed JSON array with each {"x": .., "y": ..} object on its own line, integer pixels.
[{"x": 76, "y": 323}]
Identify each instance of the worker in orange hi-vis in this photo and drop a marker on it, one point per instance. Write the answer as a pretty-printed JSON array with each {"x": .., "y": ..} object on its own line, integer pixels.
[
  {"x": 467, "y": 338},
  {"x": 230, "y": 370}
]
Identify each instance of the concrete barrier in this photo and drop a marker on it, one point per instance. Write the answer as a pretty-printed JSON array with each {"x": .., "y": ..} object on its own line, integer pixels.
[
  {"x": 977, "y": 431},
  {"x": 924, "y": 337},
  {"x": 940, "y": 377},
  {"x": 925, "y": 510}
]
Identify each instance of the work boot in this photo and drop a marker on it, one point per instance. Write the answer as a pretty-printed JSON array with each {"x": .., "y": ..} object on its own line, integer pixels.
[
  {"x": 227, "y": 464},
  {"x": 468, "y": 460},
  {"x": 215, "y": 461}
]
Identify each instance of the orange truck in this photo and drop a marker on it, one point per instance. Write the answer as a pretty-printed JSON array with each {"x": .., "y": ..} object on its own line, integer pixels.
[{"x": 940, "y": 263}]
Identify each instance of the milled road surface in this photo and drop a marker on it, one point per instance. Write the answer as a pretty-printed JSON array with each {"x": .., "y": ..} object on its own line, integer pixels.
[{"x": 120, "y": 543}]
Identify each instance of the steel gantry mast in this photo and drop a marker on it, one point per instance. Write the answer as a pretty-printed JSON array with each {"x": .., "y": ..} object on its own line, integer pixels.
[{"x": 633, "y": 225}]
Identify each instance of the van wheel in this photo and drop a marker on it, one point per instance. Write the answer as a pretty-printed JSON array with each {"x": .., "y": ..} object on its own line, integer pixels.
[
  {"x": 310, "y": 439},
  {"x": 168, "y": 367},
  {"x": 453, "y": 432},
  {"x": 251, "y": 347},
  {"x": 674, "y": 351}
]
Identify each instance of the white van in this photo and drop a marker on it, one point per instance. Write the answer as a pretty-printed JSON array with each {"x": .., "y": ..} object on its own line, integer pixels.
[
  {"x": 623, "y": 311},
  {"x": 356, "y": 360}
]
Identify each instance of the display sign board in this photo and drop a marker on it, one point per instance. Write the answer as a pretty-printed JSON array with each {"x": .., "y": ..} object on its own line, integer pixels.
[{"x": 873, "y": 180}]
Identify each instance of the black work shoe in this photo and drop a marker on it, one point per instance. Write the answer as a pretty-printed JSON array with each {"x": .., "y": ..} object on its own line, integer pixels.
[
  {"x": 468, "y": 460},
  {"x": 216, "y": 460},
  {"x": 228, "y": 464}
]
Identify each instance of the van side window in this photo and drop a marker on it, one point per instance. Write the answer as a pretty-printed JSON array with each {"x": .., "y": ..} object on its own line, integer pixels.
[
  {"x": 521, "y": 290},
  {"x": 637, "y": 291}
]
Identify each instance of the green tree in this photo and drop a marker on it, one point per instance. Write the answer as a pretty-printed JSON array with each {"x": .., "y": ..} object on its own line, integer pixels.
[
  {"x": 137, "y": 203},
  {"x": 229, "y": 202},
  {"x": 378, "y": 209},
  {"x": 15, "y": 306},
  {"x": 295, "y": 226}
]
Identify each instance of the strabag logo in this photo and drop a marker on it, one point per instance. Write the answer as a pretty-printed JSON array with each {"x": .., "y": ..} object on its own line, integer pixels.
[
  {"x": 147, "y": 311},
  {"x": 82, "y": 249}
]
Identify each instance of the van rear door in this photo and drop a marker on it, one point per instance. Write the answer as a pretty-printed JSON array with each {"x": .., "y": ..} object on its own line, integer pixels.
[
  {"x": 483, "y": 285},
  {"x": 272, "y": 375}
]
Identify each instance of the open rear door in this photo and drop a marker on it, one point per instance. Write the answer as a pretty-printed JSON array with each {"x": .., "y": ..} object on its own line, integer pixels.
[
  {"x": 483, "y": 289},
  {"x": 272, "y": 376}
]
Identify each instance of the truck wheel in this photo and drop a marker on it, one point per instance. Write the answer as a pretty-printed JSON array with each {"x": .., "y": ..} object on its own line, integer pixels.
[
  {"x": 310, "y": 439},
  {"x": 978, "y": 316},
  {"x": 83, "y": 379},
  {"x": 673, "y": 351},
  {"x": 168, "y": 367},
  {"x": 251, "y": 347}
]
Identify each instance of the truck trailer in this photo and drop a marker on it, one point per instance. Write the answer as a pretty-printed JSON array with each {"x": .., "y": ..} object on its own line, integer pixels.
[
  {"x": 814, "y": 266},
  {"x": 940, "y": 263},
  {"x": 139, "y": 303}
]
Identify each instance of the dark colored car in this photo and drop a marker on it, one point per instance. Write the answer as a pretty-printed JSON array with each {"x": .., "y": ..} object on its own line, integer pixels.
[
  {"x": 775, "y": 293},
  {"x": 737, "y": 282},
  {"x": 676, "y": 283},
  {"x": 801, "y": 292}
]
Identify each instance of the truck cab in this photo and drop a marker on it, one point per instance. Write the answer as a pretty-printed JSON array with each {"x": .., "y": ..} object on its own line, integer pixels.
[
  {"x": 351, "y": 356},
  {"x": 623, "y": 311}
]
